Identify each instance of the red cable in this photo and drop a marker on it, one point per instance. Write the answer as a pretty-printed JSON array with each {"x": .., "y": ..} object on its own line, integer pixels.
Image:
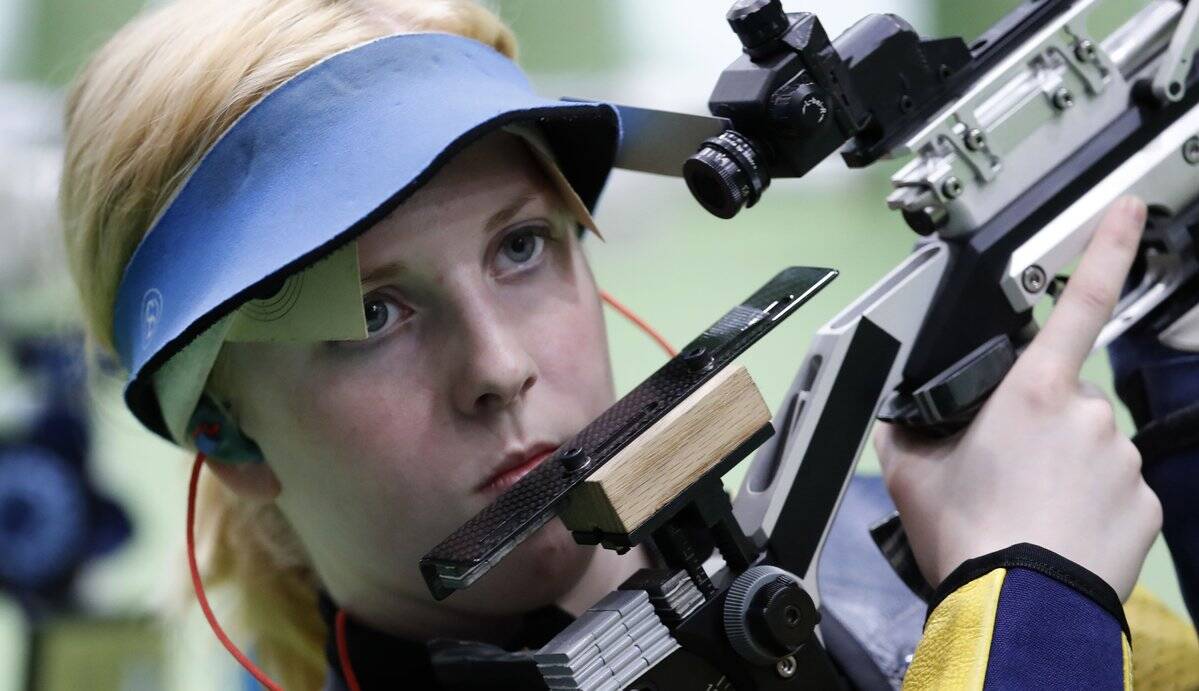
[
  {"x": 649, "y": 330},
  {"x": 339, "y": 625},
  {"x": 343, "y": 651},
  {"x": 195, "y": 574}
]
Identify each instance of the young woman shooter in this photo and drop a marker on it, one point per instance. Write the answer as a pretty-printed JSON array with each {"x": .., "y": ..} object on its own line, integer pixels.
[{"x": 334, "y": 243}]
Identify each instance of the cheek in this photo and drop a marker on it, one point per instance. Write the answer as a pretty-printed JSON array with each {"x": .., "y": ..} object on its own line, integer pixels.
[
  {"x": 359, "y": 412},
  {"x": 583, "y": 357},
  {"x": 379, "y": 429},
  {"x": 355, "y": 438},
  {"x": 572, "y": 347}
]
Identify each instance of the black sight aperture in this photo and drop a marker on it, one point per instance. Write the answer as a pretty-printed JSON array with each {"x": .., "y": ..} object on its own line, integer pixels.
[{"x": 726, "y": 174}]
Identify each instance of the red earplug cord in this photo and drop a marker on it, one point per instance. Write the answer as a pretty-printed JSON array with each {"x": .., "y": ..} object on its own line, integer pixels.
[
  {"x": 641, "y": 323},
  {"x": 339, "y": 625},
  {"x": 195, "y": 574}
]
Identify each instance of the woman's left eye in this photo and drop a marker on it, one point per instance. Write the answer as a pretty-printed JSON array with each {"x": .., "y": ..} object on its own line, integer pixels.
[{"x": 520, "y": 249}]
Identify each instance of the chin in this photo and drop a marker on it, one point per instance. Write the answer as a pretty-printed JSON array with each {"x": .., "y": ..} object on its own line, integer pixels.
[{"x": 539, "y": 572}]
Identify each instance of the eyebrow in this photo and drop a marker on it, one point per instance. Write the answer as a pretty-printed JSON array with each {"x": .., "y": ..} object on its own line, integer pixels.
[
  {"x": 396, "y": 268},
  {"x": 506, "y": 214}
]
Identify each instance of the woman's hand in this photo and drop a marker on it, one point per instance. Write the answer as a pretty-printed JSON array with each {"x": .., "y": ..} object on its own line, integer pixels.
[{"x": 1043, "y": 462}]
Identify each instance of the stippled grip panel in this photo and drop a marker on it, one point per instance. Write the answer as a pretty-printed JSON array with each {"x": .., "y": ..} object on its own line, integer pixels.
[{"x": 485, "y": 539}]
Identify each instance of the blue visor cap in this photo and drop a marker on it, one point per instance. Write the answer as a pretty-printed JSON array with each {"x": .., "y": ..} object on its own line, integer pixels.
[{"x": 314, "y": 164}]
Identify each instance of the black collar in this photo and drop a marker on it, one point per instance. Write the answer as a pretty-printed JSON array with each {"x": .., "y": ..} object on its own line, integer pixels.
[{"x": 383, "y": 661}]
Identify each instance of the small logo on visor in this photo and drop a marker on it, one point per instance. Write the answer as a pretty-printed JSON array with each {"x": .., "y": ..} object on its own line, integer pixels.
[{"x": 151, "y": 312}]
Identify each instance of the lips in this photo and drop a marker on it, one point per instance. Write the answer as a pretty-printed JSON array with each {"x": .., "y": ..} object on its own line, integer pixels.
[{"x": 516, "y": 465}]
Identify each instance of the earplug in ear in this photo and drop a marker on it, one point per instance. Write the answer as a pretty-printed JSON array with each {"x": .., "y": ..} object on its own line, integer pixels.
[{"x": 218, "y": 438}]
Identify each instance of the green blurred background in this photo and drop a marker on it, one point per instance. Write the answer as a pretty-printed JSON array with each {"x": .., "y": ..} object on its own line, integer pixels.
[{"x": 665, "y": 257}]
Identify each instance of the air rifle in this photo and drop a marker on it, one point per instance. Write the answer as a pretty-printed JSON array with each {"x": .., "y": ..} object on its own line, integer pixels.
[{"x": 1017, "y": 141}]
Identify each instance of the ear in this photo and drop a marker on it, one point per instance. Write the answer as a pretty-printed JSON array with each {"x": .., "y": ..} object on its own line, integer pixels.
[
  {"x": 247, "y": 480},
  {"x": 232, "y": 456}
]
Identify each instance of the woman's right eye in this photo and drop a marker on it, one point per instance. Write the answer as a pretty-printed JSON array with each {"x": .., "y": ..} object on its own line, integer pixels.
[{"x": 382, "y": 313}]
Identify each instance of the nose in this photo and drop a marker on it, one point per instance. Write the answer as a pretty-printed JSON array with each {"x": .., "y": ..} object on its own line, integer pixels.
[{"x": 497, "y": 370}]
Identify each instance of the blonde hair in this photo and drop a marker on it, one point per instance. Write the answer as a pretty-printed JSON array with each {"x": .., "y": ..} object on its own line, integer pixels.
[{"x": 138, "y": 119}]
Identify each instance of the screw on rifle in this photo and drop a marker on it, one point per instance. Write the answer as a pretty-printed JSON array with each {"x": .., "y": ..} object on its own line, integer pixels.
[
  {"x": 1062, "y": 98},
  {"x": 1190, "y": 150},
  {"x": 975, "y": 139},
  {"x": 786, "y": 667},
  {"x": 1033, "y": 279},
  {"x": 1084, "y": 50},
  {"x": 574, "y": 460},
  {"x": 952, "y": 187},
  {"x": 697, "y": 358}
]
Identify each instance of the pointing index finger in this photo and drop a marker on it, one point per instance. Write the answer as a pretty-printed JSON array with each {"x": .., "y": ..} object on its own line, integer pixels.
[{"x": 1090, "y": 297}]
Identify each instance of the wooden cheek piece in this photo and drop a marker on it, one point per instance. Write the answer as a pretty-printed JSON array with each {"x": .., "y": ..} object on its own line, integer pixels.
[{"x": 668, "y": 457}]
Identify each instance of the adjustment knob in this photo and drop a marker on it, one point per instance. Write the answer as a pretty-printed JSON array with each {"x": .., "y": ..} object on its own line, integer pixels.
[
  {"x": 802, "y": 109},
  {"x": 782, "y": 617},
  {"x": 757, "y": 21},
  {"x": 767, "y": 615}
]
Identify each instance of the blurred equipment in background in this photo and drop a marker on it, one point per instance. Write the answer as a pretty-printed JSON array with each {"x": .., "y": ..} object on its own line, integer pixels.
[{"x": 52, "y": 520}]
